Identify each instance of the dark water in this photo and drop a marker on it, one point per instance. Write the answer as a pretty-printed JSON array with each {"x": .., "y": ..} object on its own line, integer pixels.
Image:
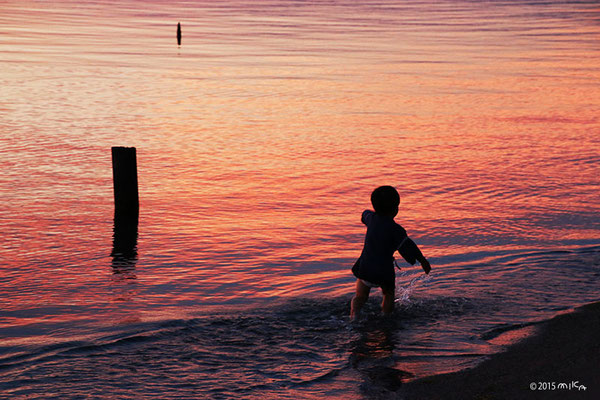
[
  {"x": 304, "y": 347},
  {"x": 259, "y": 141}
]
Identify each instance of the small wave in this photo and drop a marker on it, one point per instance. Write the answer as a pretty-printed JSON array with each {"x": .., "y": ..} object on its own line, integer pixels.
[
  {"x": 296, "y": 344},
  {"x": 495, "y": 332}
]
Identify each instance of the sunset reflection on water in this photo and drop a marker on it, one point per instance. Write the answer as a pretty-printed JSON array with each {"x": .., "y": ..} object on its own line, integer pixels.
[{"x": 260, "y": 139}]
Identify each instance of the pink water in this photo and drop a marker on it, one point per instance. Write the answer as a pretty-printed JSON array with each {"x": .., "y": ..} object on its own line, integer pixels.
[{"x": 259, "y": 141}]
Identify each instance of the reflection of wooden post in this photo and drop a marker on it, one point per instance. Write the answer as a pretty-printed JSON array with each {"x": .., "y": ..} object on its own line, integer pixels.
[
  {"x": 178, "y": 34},
  {"x": 125, "y": 183}
]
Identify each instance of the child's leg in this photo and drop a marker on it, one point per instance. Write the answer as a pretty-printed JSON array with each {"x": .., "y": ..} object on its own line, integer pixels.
[
  {"x": 359, "y": 299},
  {"x": 387, "y": 305}
]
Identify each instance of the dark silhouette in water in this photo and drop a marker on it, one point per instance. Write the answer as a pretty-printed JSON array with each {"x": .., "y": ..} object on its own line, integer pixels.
[
  {"x": 127, "y": 209},
  {"x": 125, "y": 183},
  {"x": 373, "y": 357},
  {"x": 178, "y": 34},
  {"x": 375, "y": 266},
  {"x": 124, "y": 252}
]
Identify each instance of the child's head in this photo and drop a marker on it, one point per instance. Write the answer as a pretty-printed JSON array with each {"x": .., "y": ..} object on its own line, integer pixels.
[{"x": 385, "y": 200}]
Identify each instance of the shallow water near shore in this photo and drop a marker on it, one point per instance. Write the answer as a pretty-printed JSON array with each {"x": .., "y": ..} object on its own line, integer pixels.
[
  {"x": 302, "y": 347},
  {"x": 259, "y": 140}
]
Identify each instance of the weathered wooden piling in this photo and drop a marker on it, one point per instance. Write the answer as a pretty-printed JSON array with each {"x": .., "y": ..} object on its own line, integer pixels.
[
  {"x": 125, "y": 236},
  {"x": 125, "y": 183},
  {"x": 179, "y": 34}
]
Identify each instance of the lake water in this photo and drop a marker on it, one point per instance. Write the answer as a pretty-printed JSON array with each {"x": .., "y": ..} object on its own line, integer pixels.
[{"x": 259, "y": 141}]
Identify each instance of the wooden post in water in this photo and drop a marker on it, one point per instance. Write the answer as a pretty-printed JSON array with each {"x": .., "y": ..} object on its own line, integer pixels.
[
  {"x": 125, "y": 184},
  {"x": 179, "y": 34}
]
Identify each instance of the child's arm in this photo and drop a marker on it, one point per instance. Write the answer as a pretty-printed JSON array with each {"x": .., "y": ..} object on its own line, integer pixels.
[
  {"x": 424, "y": 263},
  {"x": 411, "y": 253}
]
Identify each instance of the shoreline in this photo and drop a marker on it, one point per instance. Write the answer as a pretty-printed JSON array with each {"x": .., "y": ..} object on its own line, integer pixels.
[{"x": 565, "y": 351}]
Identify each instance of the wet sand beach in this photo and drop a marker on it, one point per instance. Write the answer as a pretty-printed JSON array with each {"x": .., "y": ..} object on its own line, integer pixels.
[{"x": 565, "y": 349}]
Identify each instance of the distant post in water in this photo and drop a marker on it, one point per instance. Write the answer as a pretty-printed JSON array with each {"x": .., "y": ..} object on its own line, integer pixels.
[
  {"x": 179, "y": 34},
  {"x": 125, "y": 184}
]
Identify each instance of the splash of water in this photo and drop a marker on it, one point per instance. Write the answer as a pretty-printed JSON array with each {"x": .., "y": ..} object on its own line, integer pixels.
[{"x": 403, "y": 293}]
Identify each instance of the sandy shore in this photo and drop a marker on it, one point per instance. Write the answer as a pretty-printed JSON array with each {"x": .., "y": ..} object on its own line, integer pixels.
[{"x": 566, "y": 349}]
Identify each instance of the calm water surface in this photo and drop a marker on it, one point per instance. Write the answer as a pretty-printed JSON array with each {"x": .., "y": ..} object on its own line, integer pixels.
[{"x": 259, "y": 141}]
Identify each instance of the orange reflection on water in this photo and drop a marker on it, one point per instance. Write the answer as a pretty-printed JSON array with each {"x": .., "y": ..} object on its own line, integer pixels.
[
  {"x": 261, "y": 137},
  {"x": 259, "y": 141}
]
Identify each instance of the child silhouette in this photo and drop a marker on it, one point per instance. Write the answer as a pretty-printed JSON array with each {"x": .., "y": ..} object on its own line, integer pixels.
[{"x": 375, "y": 266}]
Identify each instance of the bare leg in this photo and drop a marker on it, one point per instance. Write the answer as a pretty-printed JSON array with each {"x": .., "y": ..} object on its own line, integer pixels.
[
  {"x": 387, "y": 305},
  {"x": 359, "y": 299}
]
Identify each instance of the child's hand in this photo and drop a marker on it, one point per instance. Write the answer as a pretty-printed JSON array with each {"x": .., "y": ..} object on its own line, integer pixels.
[{"x": 426, "y": 266}]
